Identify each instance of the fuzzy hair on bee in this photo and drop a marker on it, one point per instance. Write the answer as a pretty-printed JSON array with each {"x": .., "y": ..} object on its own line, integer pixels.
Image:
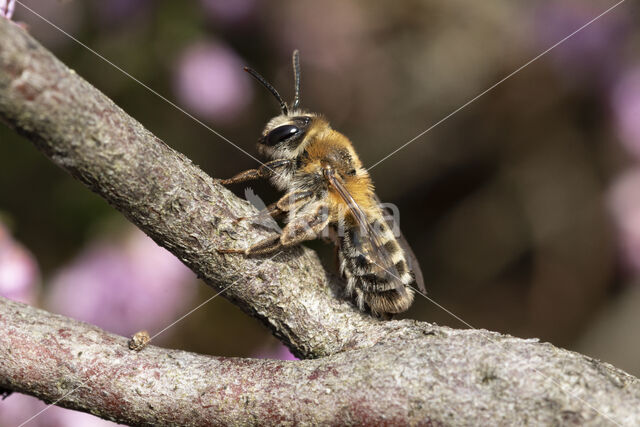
[{"x": 328, "y": 190}]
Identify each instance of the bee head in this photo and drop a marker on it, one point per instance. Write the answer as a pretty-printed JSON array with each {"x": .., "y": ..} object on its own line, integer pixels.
[
  {"x": 285, "y": 132},
  {"x": 283, "y": 135}
]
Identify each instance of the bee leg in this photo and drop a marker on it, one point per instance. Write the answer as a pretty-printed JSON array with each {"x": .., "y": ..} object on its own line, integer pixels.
[
  {"x": 272, "y": 210},
  {"x": 264, "y": 171},
  {"x": 305, "y": 227},
  {"x": 289, "y": 201},
  {"x": 263, "y": 247},
  {"x": 293, "y": 200},
  {"x": 247, "y": 175}
]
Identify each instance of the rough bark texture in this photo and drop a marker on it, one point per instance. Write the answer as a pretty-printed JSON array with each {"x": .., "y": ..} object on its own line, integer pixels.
[
  {"x": 362, "y": 370},
  {"x": 431, "y": 374}
]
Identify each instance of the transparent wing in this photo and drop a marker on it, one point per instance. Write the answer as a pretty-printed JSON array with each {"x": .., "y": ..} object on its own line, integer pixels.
[
  {"x": 371, "y": 238},
  {"x": 414, "y": 265}
]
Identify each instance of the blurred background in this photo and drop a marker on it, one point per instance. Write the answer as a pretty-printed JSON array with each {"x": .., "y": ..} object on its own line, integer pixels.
[{"x": 523, "y": 208}]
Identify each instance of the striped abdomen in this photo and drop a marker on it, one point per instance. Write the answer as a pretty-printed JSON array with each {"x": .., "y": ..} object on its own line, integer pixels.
[{"x": 378, "y": 278}]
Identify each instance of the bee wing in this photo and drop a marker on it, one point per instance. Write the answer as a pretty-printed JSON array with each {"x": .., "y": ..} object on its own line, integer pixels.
[
  {"x": 414, "y": 265},
  {"x": 371, "y": 240}
]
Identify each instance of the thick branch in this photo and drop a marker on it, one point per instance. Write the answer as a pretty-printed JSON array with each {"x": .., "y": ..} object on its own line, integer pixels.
[
  {"x": 397, "y": 371},
  {"x": 442, "y": 375},
  {"x": 170, "y": 199}
]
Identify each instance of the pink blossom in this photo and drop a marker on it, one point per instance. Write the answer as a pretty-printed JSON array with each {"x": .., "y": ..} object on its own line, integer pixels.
[
  {"x": 280, "y": 352},
  {"x": 65, "y": 14},
  {"x": 322, "y": 41},
  {"x": 123, "y": 287},
  {"x": 626, "y": 108},
  {"x": 7, "y": 7},
  {"x": 19, "y": 274},
  {"x": 593, "y": 54},
  {"x": 210, "y": 81},
  {"x": 624, "y": 204},
  {"x": 229, "y": 11},
  {"x": 121, "y": 11},
  {"x": 18, "y": 408}
]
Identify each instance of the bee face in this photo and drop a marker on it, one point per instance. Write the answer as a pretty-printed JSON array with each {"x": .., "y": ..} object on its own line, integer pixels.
[{"x": 283, "y": 135}]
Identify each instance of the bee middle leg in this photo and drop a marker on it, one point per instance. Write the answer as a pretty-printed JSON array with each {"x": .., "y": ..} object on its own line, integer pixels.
[
  {"x": 300, "y": 229},
  {"x": 294, "y": 200},
  {"x": 272, "y": 210},
  {"x": 289, "y": 201}
]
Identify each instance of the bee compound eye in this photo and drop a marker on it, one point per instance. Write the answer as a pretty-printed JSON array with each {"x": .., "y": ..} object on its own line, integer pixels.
[{"x": 280, "y": 134}]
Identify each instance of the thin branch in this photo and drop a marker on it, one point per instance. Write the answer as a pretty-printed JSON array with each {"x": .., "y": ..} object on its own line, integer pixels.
[{"x": 369, "y": 371}]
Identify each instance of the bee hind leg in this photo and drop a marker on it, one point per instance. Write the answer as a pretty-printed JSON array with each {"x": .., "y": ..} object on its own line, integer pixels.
[
  {"x": 306, "y": 227},
  {"x": 263, "y": 247}
]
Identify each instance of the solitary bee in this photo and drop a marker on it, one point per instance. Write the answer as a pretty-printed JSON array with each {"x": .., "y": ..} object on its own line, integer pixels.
[{"x": 328, "y": 189}]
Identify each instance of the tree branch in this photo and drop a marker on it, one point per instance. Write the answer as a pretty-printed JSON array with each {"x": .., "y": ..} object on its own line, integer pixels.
[
  {"x": 440, "y": 375},
  {"x": 369, "y": 371},
  {"x": 170, "y": 199}
]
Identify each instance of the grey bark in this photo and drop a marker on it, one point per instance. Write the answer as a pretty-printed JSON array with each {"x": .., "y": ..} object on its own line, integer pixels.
[{"x": 362, "y": 370}]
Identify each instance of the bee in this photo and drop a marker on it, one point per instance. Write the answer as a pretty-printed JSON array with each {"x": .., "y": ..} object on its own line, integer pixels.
[{"x": 329, "y": 192}]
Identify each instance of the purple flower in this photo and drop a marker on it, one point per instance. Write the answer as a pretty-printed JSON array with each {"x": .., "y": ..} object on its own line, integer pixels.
[
  {"x": 7, "y": 7},
  {"x": 210, "y": 81},
  {"x": 123, "y": 287},
  {"x": 625, "y": 102},
  {"x": 229, "y": 11},
  {"x": 19, "y": 274},
  {"x": 281, "y": 352},
  {"x": 121, "y": 11},
  {"x": 18, "y": 408},
  {"x": 66, "y": 14},
  {"x": 594, "y": 52},
  {"x": 624, "y": 204},
  {"x": 322, "y": 41}
]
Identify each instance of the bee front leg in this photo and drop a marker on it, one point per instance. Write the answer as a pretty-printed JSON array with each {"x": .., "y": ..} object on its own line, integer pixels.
[
  {"x": 265, "y": 171},
  {"x": 247, "y": 175}
]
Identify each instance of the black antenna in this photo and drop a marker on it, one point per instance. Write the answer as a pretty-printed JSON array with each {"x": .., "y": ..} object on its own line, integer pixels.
[
  {"x": 258, "y": 77},
  {"x": 296, "y": 76}
]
